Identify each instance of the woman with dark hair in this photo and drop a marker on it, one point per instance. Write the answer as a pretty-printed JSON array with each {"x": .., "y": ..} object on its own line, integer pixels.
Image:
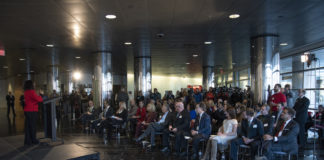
[
  {"x": 226, "y": 133},
  {"x": 31, "y": 109}
]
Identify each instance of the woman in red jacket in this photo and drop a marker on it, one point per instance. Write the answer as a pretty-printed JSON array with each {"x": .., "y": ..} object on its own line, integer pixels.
[{"x": 31, "y": 109}]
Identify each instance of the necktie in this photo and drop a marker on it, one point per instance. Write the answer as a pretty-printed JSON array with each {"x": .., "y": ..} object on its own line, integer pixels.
[{"x": 281, "y": 128}]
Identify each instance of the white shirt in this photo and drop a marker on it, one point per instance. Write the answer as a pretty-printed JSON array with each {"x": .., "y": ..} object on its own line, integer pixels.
[{"x": 280, "y": 133}]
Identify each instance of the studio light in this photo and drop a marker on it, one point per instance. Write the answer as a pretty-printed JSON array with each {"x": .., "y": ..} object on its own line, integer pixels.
[{"x": 77, "y": 75}]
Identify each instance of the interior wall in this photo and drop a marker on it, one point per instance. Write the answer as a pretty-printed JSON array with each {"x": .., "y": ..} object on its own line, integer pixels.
[{"x": 166, "y": 83}]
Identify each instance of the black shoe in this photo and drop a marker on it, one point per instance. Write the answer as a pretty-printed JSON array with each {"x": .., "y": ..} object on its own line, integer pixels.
[
  {"x": 194, "y": 156},
  {"x": 176, "y": 154},
  {"x": 183, "y": 154},
  {"x": 165, "y": 150}
]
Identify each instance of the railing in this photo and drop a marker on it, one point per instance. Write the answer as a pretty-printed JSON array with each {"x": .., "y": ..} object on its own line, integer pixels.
[{"x": 52, "y": 116}]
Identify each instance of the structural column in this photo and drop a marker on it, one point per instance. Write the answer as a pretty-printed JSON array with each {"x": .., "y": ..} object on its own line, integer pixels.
[
  {"x": 208, "y": 76},
  {"x": 263, "y": 49},
  {"x": 142, "y": 74},
  {"x": 103, "y": 78},
  {"x": 53, "y": 76},
  {"x": 297, "y": 74}
]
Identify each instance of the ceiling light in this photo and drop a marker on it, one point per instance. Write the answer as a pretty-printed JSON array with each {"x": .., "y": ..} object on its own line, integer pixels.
[
  {"x": 21, "y": 59},
  {"x": 31, "y": 71},
  {"x": 128, "y": 43},
  {"x": 234, "y": 16},
  {"x": 77, "y": 75},
  {"x": 49, "y": 45},
  {"x": 77, "y": 57},
  {"x": 5, "y": 67},
  {"x": 111, "y": 16},
  {"x": 208, "y": 42},
  {"x": 195, "y": 55},
  {"x": 187, "y": 63},
  {"x": 283, "y": 44}
]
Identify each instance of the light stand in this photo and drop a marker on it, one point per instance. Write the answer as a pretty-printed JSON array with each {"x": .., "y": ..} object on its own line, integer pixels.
[{"x": 308, "y": 58}]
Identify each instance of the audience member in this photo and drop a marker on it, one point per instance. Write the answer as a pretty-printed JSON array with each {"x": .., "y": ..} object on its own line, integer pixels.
[
  {"x": 251, "y": 132},
  {"x": 201, "y": 129},
  {"x": 149, "y": 118},
  {"x": 226, "y": 133},
  {"x": 301, "y": 108},
  {"x": 284, "y": 137}
]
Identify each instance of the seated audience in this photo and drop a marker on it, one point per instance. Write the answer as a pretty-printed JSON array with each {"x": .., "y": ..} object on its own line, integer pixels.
[
  {"x": 201, "y": 129},
  {"x": 139, "y": 116},
  {"x": 118, "y": 118},
  {"x": 150, "y": 117},
  {"x": 226, "y": 133},
  {"x": 266, "y": 119},
  {"x": 131, "y": 113},
  {"x": 105, "y": 114},
  {"x": 251, "y": 132},
  {"x": 179, "y": 127},
  {"x": 163, "y": 123},
  {"x": 218, "y": 115},
  {"x": 89, "y": 115},
  {"x": 284, "y": 137}
]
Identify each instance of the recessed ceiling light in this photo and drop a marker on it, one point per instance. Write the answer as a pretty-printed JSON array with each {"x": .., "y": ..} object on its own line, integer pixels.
[
  {"x": 284, "y": 44},
  {"x": 5, "y": 67},
  {"x": 21, "y": 59},
  {"x": 234, "y": 16},
  {"x": 111, "y": 16},
  {"x": 77, "y": 57},
  {"x": 195, "y": 55},
  {"x": 49, "y": 45},
  {"x": 128, "y": 43},
  {"x": 208, "y": 42},
  {"x": 187, "y": 63},
  {"x": 32, "y": 71}
]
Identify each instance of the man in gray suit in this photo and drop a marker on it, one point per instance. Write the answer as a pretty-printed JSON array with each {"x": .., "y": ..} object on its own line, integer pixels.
[
  {"x": 158, "y": 126},
  {"x": 284, "y": 137}
]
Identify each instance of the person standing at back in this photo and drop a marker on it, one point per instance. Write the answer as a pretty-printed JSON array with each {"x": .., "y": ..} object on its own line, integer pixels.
[
  {"x": 277, "y": 101},
  {"x": 301, "y": 108},
  {"x": 10, "y": 103},
  {"x": 31, "y": 109},
  {"x": 289, "y": 96}
]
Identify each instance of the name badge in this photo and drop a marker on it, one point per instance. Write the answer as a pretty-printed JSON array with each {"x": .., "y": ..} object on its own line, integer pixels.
[
  {"x": 265, "y": 125},
  {"x": 197, "y": 128},
  {"x": 180, "y": 116},
  {"x": 255, "y": 126},
  {"x": 273, "y": 116}
]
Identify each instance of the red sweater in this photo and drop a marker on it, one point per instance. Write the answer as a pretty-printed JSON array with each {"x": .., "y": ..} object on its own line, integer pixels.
[
  {"x": 31, "y": 101},
  {"x": 141, "y": 112}
]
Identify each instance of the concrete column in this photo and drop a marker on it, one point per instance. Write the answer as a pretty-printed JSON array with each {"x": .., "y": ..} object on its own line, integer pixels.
[
  {"x": 263, "y": 48},
  {"x": 103, "y": 78},
  {"x": 208, "y": 77}
]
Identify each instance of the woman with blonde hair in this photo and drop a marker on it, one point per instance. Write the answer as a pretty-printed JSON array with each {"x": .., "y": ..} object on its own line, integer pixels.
[
  {"x": 150, "y": 117},
  {"x": 226, "y": 133}
]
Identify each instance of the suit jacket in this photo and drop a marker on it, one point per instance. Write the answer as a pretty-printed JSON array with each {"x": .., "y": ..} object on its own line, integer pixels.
[
  {"x": 254, "y": 131},
  {"x": 288, "y": 137},
  {"x": 168, "y": 120},
  {"x": 267, "y": 122},
  {"x": 219, "y": 115},
  {"x": 182, "y": 121},
  {"x": 110, "y": 112},
  {"x": 204, "y": 125},
  {"x": 301, "y": 108},
  {"x": 10, "y": 99}
]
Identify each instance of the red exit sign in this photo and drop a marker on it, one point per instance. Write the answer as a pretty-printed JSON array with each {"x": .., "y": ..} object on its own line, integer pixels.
[{"x": 2, "y": 52}]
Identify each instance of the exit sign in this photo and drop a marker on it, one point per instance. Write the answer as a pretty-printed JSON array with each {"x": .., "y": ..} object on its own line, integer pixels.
[{"x": 2, "y": 52}]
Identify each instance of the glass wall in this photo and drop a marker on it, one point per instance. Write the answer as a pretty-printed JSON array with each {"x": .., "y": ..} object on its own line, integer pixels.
[{"x": 301, "y": 75}]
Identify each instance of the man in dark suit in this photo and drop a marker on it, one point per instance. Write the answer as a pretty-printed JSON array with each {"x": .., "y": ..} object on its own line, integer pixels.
[
  {"x": 266, "y": 119},
  {"x": 218, "y": 115},
  {"x": 10, "y": 103},
  {"x": 251, "y": 134},
  {"x": 201, "y": 129},
  {"x": 180, "y": 127},
  {"x": 284, "y": 137},
  {"x": 301, "y": 108},
  {"x": 106, "y": 114},
  {"x": 159, "y": 126}
]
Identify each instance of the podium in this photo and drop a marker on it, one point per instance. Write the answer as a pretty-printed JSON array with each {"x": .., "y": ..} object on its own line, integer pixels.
[{"x": 50, "y": 121}]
